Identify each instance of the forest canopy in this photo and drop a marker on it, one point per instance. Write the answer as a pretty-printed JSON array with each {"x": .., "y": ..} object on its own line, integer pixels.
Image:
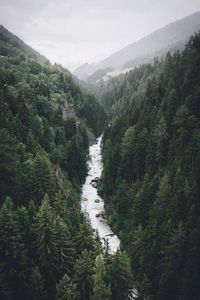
[{"x": 151, "y": 172}]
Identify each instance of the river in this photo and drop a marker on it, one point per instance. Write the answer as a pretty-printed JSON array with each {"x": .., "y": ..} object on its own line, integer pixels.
[{"x": 92, "y": 204}]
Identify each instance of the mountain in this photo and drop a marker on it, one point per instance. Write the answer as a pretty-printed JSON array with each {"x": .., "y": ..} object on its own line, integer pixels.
[
  {"x": 47, "y": 247},
  {"x": 48, "y": 250},
  {"x": 6, "y": 35},
  {"x": 151, "y": 175},
  {"x": 171, "y": 37}
]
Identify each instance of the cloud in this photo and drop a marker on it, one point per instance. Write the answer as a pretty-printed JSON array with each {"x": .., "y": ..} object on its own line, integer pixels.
[{"x": 87, "y": 30}]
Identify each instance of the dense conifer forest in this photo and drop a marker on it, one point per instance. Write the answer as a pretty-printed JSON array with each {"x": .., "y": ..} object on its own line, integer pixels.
[
  {"x": 151, "y": 149},
  {"x": 47, "y": 247},
  {"x": 151, "y": 172}
]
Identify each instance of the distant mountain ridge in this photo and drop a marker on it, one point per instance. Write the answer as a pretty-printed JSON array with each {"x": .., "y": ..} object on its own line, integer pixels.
[
  {"x": 32, "y": 53},
  {"x": 171, "y": 37}
]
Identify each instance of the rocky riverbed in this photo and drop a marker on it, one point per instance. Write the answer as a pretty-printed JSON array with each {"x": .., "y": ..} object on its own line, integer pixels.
[{"x": 92, "y": 204}]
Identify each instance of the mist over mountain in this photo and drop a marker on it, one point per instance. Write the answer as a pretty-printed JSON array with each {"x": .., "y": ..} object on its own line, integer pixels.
[
  {"x": 99, "y": 175},
  {"x": 169, "y": 38},
  {"x": 7, "y": 36}
]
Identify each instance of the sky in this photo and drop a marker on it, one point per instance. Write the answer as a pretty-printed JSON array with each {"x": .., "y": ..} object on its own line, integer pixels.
[{"x": 72, "y": 32}]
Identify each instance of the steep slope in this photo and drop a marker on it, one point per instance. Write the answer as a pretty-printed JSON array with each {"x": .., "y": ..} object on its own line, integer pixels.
[
  {"x": 48, "y": 250},
  {"x": 171, "y": 37},
  {"x": 44, "y": 123},
  {"x": 151, "y": 174},
  {"x": 6, "y": 35}
]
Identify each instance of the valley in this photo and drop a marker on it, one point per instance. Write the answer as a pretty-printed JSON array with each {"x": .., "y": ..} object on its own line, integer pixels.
[{"x": 99, "y": 175}]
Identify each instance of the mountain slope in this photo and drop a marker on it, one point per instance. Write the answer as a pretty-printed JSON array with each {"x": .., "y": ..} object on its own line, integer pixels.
[
  {"x": 44, "y": 123},
  {"x": 6, "y": 35},
  {"x": 151, "y": 173},
  {"x": 170, "y": 37}
]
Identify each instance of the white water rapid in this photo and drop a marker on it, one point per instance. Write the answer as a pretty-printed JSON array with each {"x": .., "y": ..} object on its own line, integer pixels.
[{"x": 92, "y": 204}]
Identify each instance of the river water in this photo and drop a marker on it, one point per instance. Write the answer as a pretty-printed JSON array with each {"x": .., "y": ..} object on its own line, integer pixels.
[{"x": 92, "y": 204}]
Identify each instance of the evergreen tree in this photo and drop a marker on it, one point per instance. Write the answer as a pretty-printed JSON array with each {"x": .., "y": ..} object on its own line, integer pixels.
[
  {"x": 36, "y": 286},
  {"x": 84, "y": 238},
  {"x": 13, "y": 254},
  {"x": 150, "y": 178},
  {"x": 121, "y": 278},
  {"x": 43, "y": 152},
  {"x": 100, "y": 291},
  {"x": 65, "y": 247},
  {"x": 83, "y": 276},
  {"x": 47, "y": 253},
  {"x": 41, "y": 180},
  {"x": 66, "y": 289},
  {"x": 9, "y": 170}
]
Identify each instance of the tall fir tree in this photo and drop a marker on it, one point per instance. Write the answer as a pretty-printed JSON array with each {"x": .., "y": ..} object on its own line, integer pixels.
[{"x": 101, "y": 290}]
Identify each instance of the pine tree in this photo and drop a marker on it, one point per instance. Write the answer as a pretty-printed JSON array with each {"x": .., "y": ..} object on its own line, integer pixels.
[
  {"x": 13, "y": 254},
  {"x": 98, "y": 247},
  {"x": 47, "y": 253},
  {"x": 9, "y": 170},
  {"x": 32, "y": 146},
  {"x": 83, "y": 276},
  {"x": 160, "y": 136},
  {"x": 66, "y": 289},
  {"x": 41, "y": 179},
  {"x": 121, "y": 278},
  {"x": 65, "y": 247},
  {"x": 60, "y": 205},
  {"x": 37, "y": 286},
  {"x": 101, "y": 291},
  {"x": 67, "y": 206},
  {"x": 84, "y": 238}
]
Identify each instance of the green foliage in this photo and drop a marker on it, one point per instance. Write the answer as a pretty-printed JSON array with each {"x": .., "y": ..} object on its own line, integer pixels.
[
  {"x": 100, "y": 291},
  {"x": 84, "y": 238},
  {"x": 37, "y": 287},
  {"x": 40, "y": 179},
  {"x": 66, "y": 289},
  {"x": 13, "y": 253},
  {"x": 83, "y": 275},
  {"x": 45, "y": 121},
  {"x": 46, "y": 239},
  {"x": 151, "y": 175},
  {"x": 9, "y": 168},
  {"x": 121, "y": 277},
  {"x": 66, "y": 250},
  {"x": 150, "y": 180}
]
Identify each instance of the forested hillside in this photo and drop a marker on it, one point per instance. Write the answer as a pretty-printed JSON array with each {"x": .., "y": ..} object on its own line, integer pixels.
[
  {"x": 47, "y": 248},
  {"x": 15, "y": 41},
  {"x": 151, "y": 172}
]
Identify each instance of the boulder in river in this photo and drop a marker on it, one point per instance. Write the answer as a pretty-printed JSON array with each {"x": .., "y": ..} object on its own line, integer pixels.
[
  {"x": 101, "y": 214},
  {"x": 96, "y": 200},
  {"x": 95, "y": 179}
]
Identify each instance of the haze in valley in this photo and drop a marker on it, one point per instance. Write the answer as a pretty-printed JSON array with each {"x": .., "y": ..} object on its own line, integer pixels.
[{"x": 73, "y": 32}]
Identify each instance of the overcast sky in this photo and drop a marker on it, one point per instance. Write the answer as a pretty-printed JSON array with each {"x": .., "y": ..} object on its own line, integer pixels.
[{"x": 77, "y": 31}]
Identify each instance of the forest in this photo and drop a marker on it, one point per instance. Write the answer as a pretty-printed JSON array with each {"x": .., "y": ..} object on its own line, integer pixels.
[
  {"x": 151, "y": 175},
  {"x": 47, "y": 247},
  {"x": 150, "y": 118}
]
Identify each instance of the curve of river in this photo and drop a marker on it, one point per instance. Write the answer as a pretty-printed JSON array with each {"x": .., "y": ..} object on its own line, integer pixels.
[{"x": 92, "y": 204}]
